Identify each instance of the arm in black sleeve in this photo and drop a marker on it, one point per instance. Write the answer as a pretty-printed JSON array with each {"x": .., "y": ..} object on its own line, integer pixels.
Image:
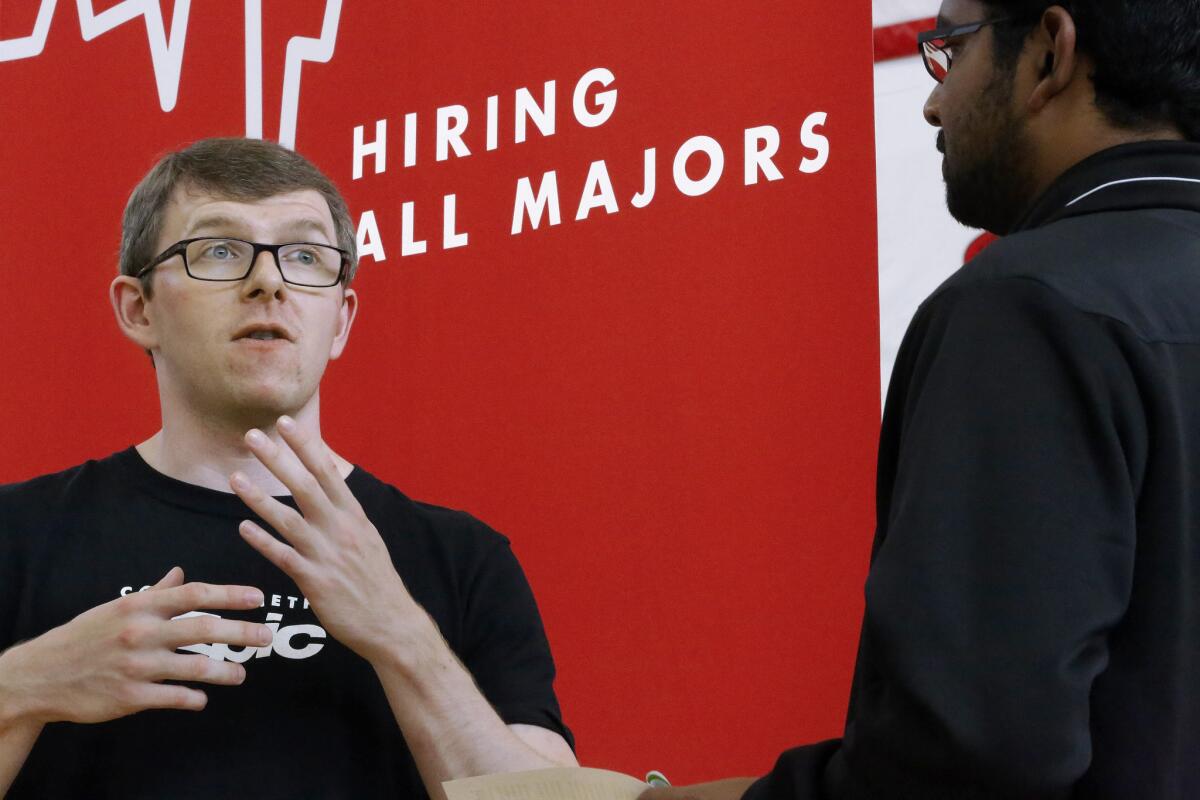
[
  {"x": 507, "y": 651},
  {"x": 11, "y": 566},
  {"x": 16, "y": 738},
  {"x": 1004, "y": 556}
]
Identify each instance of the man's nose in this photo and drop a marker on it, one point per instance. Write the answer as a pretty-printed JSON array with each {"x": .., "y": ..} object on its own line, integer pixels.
[
  {"x": 932, "y": 108},
  {"x": 264, "y": 276}
]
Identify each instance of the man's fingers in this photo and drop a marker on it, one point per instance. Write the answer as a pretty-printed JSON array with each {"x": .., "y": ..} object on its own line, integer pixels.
[
  {"x": 194, "y": 596},
  {"x": 200, "y": 669},
  {"x": 207, "y": 629},
  {"x": 174, "y": 577},
  {"x": 290, "y": 524},
  {"x": 157, "y": 695},
  {"x": 286, "y": 466},
  {"x": 284, "y": 557},
  {"x": 317, "y": 459}
]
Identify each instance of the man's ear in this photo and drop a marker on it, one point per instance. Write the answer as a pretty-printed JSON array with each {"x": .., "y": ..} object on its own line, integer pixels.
[
  {"x": 1052, "y": 47},
  {"x": 129, "y": 304},
  {"x": 345, "y": 320}
]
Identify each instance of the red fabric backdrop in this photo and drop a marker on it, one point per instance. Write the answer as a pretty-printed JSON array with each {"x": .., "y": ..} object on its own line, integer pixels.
[{"x": 671, "y": 410}]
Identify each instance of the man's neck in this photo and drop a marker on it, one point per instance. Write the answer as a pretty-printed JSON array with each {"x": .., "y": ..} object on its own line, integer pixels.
[
  {"x": 1069, "y": 147},
  {"x": 206, "y": 452}
]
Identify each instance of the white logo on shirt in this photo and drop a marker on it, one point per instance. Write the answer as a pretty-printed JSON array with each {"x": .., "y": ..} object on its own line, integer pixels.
[
  {"x": 282, "y": 643},
  {"x": 288, "y": 641}
]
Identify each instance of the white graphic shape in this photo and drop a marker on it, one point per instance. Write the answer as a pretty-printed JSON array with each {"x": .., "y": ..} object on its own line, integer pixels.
[
  {"x": 254, "y": 68},
  {"x": 166, "y": 53},
  {"x": 31, "y": 45},
  {"x": 299, "y": 50},
  {"x": 167, "y": 57}
]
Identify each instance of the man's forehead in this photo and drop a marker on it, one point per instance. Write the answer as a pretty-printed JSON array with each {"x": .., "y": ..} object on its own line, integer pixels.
[{"x": 191, "y": 207}]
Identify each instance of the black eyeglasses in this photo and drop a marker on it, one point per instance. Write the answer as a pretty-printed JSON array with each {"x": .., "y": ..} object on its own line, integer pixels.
[
  {"x": 933, "y": 45},
  {"x": 212, "y": 258}
]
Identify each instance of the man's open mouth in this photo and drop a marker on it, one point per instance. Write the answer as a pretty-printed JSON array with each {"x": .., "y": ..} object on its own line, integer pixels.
[{"x": 264, "y": 333}]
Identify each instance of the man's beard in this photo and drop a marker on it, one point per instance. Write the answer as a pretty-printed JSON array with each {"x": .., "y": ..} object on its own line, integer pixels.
[{"x": 991, "y": 187}]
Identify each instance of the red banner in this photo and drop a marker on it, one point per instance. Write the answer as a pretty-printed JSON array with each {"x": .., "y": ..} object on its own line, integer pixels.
[{"x": 618, "y": 299}]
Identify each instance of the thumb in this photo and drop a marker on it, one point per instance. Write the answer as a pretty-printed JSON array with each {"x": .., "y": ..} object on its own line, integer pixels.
[{"x": 173, "y": 578}]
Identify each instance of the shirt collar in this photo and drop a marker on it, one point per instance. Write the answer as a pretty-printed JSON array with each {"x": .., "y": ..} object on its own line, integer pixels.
[{"x": 1123, "y": 178}]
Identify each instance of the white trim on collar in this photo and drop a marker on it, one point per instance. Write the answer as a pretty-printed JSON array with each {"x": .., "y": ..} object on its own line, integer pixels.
[{"x": 1131, "y": 180}]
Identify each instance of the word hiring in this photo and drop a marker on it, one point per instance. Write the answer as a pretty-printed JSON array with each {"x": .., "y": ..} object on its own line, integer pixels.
[
  {"x": 760, "y": 147},
  {"x": 452, "y": 121},
  {"x": 287, "y": 641}
]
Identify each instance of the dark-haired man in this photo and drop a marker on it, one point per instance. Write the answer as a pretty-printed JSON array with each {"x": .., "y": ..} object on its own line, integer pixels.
[
  {"x": 374, "y": 648},
  {"x": 1032, "y": 628}
]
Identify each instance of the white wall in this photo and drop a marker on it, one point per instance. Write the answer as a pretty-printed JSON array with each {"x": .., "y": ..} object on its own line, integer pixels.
[
  {"x": 919, "y": 243},
  {"x": 889, "y": 12}
]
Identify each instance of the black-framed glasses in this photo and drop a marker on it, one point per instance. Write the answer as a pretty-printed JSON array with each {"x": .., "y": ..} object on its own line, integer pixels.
[
  {"x": 221, "y": 258},
  {"x": 934, "y": 46}
]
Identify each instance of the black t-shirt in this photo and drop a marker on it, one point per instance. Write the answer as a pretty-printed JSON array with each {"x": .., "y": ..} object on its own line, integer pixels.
[{"x": 311, "y": 719}]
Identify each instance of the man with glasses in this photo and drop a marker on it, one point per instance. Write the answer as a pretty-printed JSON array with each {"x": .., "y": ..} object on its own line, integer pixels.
[
  {"x": 1032, "y": 621},
  {"x": 331, "y": 638}
]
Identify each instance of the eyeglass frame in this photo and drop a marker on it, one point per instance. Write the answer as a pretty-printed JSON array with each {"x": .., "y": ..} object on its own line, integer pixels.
[
  {"x": 258, "y": 248},
  {"x": 949, "y": 32}
]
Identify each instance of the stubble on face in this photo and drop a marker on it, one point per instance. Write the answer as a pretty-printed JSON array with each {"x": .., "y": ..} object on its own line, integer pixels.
[
  {"x": 256, "y": 392},
  {"x": 206, "y": 373},
  {"x": 988, "y": 161}
]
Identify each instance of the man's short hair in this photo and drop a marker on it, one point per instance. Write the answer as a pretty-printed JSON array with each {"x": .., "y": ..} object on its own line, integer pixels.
[
  {"x": 1146, "y": 54},
  {"x": 233, "y": 168}
]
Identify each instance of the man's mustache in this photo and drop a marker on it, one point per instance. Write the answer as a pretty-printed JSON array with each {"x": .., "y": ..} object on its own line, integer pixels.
[{"x": 941, "y": 142}]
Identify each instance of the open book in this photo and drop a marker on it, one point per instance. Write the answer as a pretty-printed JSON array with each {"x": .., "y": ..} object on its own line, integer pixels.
[{"x": 563, "y": 783}]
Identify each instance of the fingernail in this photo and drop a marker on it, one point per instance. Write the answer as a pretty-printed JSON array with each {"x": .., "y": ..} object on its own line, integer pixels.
[
  {"x": 255, "y": 437},
  {"x": 286, "y": 424},
  {"x": 238, "y": 481},
  {"x": 254, "y": 597},
  {"x": 266, "y": 635}
]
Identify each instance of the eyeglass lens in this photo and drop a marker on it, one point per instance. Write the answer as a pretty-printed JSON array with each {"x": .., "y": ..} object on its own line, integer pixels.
[
  {"x": 229, "y": 260},
  {"x": 936, "y": 59}
]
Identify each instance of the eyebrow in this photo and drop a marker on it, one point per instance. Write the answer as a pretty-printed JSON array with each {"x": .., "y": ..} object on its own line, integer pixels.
[
  {"x": 307, "y": 226},
  {"x": 214, "y": 221}
]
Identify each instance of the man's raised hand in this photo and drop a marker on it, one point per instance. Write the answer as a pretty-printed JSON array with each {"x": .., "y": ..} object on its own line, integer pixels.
[
  {"x": 110, "y": 661},
  {"x": 331, "y": 550}
]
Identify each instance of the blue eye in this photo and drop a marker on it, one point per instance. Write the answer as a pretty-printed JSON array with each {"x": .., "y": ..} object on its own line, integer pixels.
[{"x": 220, "y": 251}]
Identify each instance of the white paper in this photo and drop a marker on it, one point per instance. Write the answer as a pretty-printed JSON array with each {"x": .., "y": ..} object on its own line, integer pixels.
[{"x": 563, "y": 783}]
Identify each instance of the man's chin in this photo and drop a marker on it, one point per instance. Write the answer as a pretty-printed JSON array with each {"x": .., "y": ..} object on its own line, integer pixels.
[
  {"x": 977, "y": 208},
  {"x": 258, "y": 406}
]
